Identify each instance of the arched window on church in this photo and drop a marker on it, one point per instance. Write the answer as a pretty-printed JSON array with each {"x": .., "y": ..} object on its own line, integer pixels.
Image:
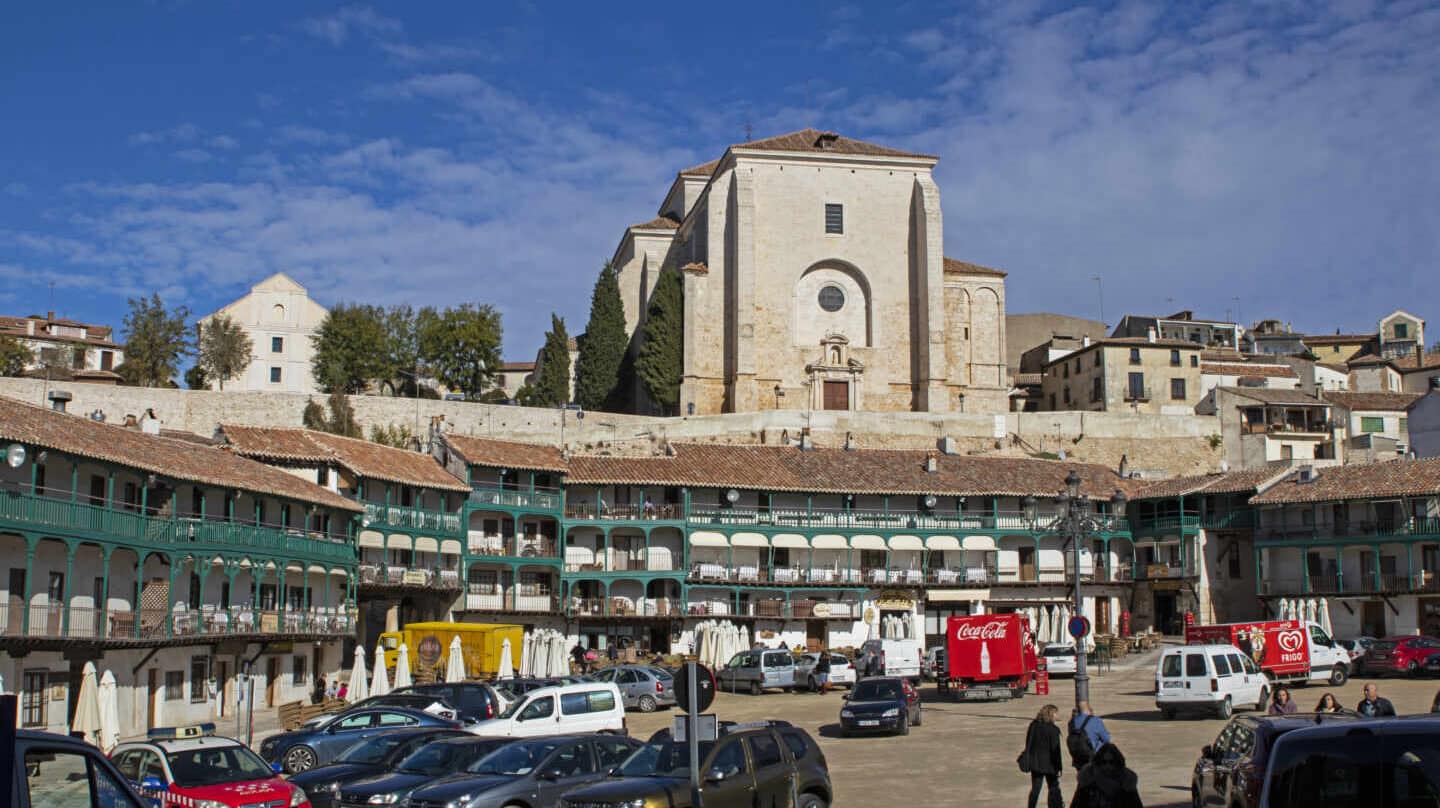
[{"x": 278, "y": 313}]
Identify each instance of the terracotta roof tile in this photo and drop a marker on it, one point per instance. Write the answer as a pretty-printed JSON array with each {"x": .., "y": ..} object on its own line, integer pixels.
[
  {"x": 1273, "y": 396},
  {"x": 1221, "y": 355},
  {"x": 814, "y": 140},
  {"x": 512, "y": 366},
  {"x": 366, "y": 459},
  {"x": 657, "y": 223},
  {"x": 1274, "y": 371},
  {"x": 1230, "y": 482},
  {"x": 958, "y": 267},
  {"x": 1393, "y": 478},
  {"x": 1335, "y": 339},
  {"x": 1371, "y": 401},
  {"x": 506, "y": 453},
  {"x": 166, "y": 457},
  {"x": 696, "y": 267},
  {"x": 702, "y": 170}
]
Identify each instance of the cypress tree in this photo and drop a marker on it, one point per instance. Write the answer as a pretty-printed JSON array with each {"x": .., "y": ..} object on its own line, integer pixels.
[
  {"x": 661, "y": 361},
  {"x": 552, "y": 383},
  {"x": 597, "y": 371}
]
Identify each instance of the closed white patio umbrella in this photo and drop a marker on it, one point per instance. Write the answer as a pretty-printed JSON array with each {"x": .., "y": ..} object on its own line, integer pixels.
[
  {"x": 358, "y": 688},
  {"x": 540, "y": 657},
  {"x": 109, "y": 713},
  {"x": 87, "y": 706},
  {"x": 379, "y": 680},
  {"x": 527, "y": 642},
  {"x": 402, "y": 667},
  {"x": 1325, "y": 615},
  {"x": 1043, "y": 630},
  {"x": 455, "y": 662},
  {"x": 559, "y": 663}
]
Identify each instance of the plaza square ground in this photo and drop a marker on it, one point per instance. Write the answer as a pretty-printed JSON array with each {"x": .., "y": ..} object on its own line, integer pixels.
[{"x": 964, "y": 754}]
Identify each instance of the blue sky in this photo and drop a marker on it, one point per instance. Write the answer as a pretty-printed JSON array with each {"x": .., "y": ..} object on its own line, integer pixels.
[{"x": 1277, "y": 160}]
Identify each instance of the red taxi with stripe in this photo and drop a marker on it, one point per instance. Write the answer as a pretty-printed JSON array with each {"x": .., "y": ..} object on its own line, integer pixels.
[{"x": 191, "y": 767}]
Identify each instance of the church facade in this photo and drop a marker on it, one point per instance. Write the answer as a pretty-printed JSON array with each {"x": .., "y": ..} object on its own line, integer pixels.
[{"x": 814, "y": 278}]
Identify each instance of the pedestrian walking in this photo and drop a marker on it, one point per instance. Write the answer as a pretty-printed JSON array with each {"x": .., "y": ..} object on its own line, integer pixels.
[
  {"x": 1106, "y": 783},
  {"x": 1281, "y": 703},
  {"x": 822, "y": 672},
  {"x": 577, "y": 655},
  {"x": 1086, "y": 733},
  {"x": 1328, "y": 704},
  {"x": 318, "y": 695},
  {"x": 1374, "y": 705},
  {"x": 1041, "y": 758}
]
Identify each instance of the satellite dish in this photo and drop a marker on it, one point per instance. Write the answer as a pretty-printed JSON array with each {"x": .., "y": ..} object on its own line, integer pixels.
[{"x": 15, "y": 455}]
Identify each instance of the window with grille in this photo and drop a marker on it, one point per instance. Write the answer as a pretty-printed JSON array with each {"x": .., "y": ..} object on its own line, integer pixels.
[
  {"x": 274, "y": 375},
  {"x": 297, "y": 670},
  {"x": 174, "y": 685},
  {"x": 199, "y": 675},
  {"x": 1372, "y": 424},
  {"x": 1177, "y": 389},
  {"x": 483, "y": 582},
  {"x": 1175, "y": 358},
  {"x": 277, "y": 345},
  {"x": 32, "y": 709},
  {"x": 834, "y": 218}
]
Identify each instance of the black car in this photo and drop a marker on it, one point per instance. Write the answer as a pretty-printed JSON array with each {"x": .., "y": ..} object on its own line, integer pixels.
[
  {"x": 515, "y": 688},
  {"x": 533, "y": 772},
  {"x": 1376, "y": 762},
  {"x": 762, "y": 763},
  {"x": 425, "y": 765},
  {"x": 381, "y": 753},
  {"x": 889, "y": 704},
  {"x": 475, "y": 701},
  {"x": 1231, "y": 770}
]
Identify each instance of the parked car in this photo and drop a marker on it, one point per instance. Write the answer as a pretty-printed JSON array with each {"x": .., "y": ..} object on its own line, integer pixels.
[
  {"x": 1212, "y": 677},
  {"x": 1060, "y": 659},
  {"x": 434, "y": 760},
  {"x": 1405, "y": 655},
  {"x": 1231, "y": 770},
  {"x": 304, "y": 749},
  {"x": 888, "y": 704},
  {"x": 475, "y": 701},
  {"x": 589, "y": 707},
  {"x": 376, "y": 754},
  {"x": 432, "y": 704},
  {"x": 62, "y": 771},
  {"x": 512, "y": 689},
  {"x": 642, "y": 687},
  {"x": 842, "y": 670},
  {"x": 173, "y": 767},
  {"x": 1380, "y": 762},
  {"x": 760, "y": 763},
  {"x": 1356, "y": 646},
  {"x": 533, "y": 772},
  {"x": 933, "y": 662},
  {"x": 893, "y": 657},
  {"x": 757, "y": 671}
]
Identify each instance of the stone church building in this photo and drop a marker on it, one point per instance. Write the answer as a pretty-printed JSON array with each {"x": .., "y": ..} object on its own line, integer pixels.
[{"x": 814, "y": 278}]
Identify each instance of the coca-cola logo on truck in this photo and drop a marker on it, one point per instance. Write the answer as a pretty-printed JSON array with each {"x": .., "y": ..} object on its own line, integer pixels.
[{"x": 988, "y": 631}]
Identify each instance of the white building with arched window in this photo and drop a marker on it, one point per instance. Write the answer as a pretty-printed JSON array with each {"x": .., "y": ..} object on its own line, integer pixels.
[
  {"x": 280, "y": 318},
  {"x": 814, "y": 278}
]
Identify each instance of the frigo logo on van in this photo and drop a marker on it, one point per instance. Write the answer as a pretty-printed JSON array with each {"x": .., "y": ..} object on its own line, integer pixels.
[{"x": 1290, "y": 641}]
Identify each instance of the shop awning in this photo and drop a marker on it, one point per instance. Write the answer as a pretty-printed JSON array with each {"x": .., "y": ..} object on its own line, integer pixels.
[
  {"x": 942, "y": 543},
  {"x": 980, "y": 543},
  {"x": 906, "y": 543},
  {"x": 788, "y": 540},
  {"x": 829, "y": 541},
  {"x": 867, "y": 542},
  {"x": 451, "y": 547},
  {"x": 749, "y": 540},
  {"x": 708, "y": 538},
  {"x": 956, "y": 595},
  {"x": 398, "y": 541},
  {"x": 426, "y": 544},
  {"x": 371, "y": 538}
]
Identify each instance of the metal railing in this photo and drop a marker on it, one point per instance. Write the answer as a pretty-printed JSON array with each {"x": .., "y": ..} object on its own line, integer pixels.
[
  {"x": 888, "y": 520},
  {"x": 396, "y": 516},
  {"x": 383, "y": 574},
  {"x": 49, "y": 621},
  {"x": 1411, "y": 527},
  {"x": 631, "y": 513},
  {"x": 516, "y": 498},
  {"x": 513, "y": 547}
]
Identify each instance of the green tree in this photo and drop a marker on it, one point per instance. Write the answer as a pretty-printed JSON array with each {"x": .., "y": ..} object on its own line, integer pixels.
[
  {"x": 155, "y": 340},
  {"x": 14, "y": 356},
  {"x": 597, "y": 370},
  {"x": 195, "y": 378},
  {"x": 551, "y": 387},
  {"x": 402, "y": 351},
  {"x": 351, "y": 350},
  {"x": 660, "y": 363},
  {"x": 224, "y": 350},
  {"x": 337, "y": 416},
  {"x": 461, "y": 347},
  {"x": 398, "y": 436},
  {"x": 314, "y": 417}
]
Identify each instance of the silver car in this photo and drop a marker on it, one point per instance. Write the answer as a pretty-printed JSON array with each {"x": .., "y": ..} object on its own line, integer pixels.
[
  {"x": 642, "y": 687},
  {"x": 758, "y": 671}
]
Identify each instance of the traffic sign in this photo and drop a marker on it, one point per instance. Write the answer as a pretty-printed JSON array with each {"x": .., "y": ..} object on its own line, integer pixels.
[
  {"x": 1079, "y": 626},
  {"x": 704, "y": 688}
]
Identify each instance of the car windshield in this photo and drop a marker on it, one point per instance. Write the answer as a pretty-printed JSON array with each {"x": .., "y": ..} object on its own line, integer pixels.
[
  {"x": 515, "y": 706},
  {"x": 371, "y": 750},
  {"x": 437, "y": 758},
  {"x": 875, "y": 691},
  {"x": 1060, "y": 650},
  {"x": 662, "y": 758},
  {"x": 215, "y": 765},
  {"x": 515, "y": 759},
  {"x": 660, "y": 673}
]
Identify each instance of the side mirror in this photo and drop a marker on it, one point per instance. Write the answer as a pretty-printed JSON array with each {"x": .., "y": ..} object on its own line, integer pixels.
[
  {"x": 152, "y": 784},
  {"x": 550, "y": 774},
  {"x": 715, "y": 776},
  {"x": 276, "y": 767},
  {"x": 845, "y": 697}
]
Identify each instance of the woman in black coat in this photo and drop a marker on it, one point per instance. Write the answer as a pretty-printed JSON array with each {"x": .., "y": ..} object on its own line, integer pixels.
[
  {"x": 1042, "y": 751},
  {"x": 1106, "y": 782}
]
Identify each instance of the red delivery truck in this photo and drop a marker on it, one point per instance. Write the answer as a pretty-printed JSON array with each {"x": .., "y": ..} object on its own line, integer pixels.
[
  {"x": 988, "y": 656},
  {"x": 1287, "y": 651}
]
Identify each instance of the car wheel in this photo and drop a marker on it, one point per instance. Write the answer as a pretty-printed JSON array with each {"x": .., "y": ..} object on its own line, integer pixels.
[
  {"x": 1226, "y": 708},
  {"x": 299, "y": 759},
  {"x": 1264, "y": 702},
  {"x": 756, "y": 689},
  {"x": 810, "y": 801},
  {"x": 1338, "y": 676},
  {"x": 904, "y": 728},
  {"x": 646, "y": 703},
  {"x": 1412, "y": 668},
  {"x": 919, "y": 714}
]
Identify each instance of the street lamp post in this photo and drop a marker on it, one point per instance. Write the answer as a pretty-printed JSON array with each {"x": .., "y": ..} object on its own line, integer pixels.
[{"x": 1074, "y": 518}]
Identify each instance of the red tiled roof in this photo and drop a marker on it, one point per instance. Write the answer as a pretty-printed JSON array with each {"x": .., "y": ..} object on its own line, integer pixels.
[
  {"x": 1371, "y": 401},
  {"x": 510, "y": 366},
  {"x": 657, "y": 223},
  {"x": 163, "y": 456},
  {"x": 865, "y": 471},
  {"x": 1230, "y": 482},
  {"x": 506, "y": 453},
  {"x": 814, "y": 140},
  {"x": 958, "y": 267},
  {"x": 1336, "y": 339},
  {"x": 1393, "y": 478},
  {"x": 1268, "y": 395},
  {"x": 95, "y": 335},
  {"x": 1275, "y": 371},
  {"x": 366, "y": 459},
  {"x": 702, "y": 170}
]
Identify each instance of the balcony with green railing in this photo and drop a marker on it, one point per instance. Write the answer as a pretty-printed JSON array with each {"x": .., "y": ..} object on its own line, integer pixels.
[
  {"x": 23, "y": 511},
  {"x": 397, "y": 517},
  {"x": 530, "y": 499},
  {"x": 878, "y": 520},
  {"x": 1376, "y": 531}
]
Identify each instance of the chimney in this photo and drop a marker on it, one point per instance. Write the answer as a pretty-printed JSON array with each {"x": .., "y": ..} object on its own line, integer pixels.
[
  {"x": 1085, "y": 341},
  {"x": 131, "y": 421},
  {"x": 59, "y": 399},
  {"x": 849, "y": 441},
  {"x": 49, "y": 316},
  {"x": 1150, "y": 333},
  {"x": 931, "y": 464},
  {"x": 806, "y": 444},
  {"x": 947, "y": 445}
]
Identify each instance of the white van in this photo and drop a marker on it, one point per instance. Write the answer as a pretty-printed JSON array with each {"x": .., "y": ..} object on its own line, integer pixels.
[
  {"x": 1217, "y": 677},
  {"x": 562, "y": 710},
  {"x": 897, "y": 657}
]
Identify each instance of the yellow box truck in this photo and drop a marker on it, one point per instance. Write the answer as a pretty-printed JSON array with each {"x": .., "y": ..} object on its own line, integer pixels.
[{"x": 428, "y": 645}]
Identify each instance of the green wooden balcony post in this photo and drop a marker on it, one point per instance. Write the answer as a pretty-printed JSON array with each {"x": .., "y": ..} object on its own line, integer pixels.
[
  {"x": 1304, "y": 570},
  {"x": 203, "y": 571},
  {"x": 1376, "y": 571},
  {"x": 102, "y": 609},
  {"x": 69, "y": 574},
  {"x": 1340, "y": 568},
  {"x": 1258, "y": 577},
  {"x": 29, "y": 583},
  {"x": 170, "y": 607},
  {"x": 74, "y": 480},
  {"x": 1409, "y": 566},
  {"x": 809, "y": 510},
  {"x": 135, "y": 605},
  {"x": 284, "y": 595}
]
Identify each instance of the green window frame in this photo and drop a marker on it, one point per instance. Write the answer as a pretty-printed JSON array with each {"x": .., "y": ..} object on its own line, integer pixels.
[{"x": 1372, "y": 423}]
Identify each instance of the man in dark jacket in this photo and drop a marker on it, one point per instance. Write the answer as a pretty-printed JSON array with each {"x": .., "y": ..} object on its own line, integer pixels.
[
  {"x": 1374, "y": 705},
  {"x": 1106, "y": 783},
  {"x": 822, "y": 672},
  {"x": 1042, "y": 755}
]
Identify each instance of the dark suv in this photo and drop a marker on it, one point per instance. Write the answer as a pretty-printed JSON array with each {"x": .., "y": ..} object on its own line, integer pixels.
[
  {"x": 1231, "y": 771},
  {"x": 1372, "y": 763},
  {"x": 475, "y": 701},
  {"x": 762, "y": 763}
]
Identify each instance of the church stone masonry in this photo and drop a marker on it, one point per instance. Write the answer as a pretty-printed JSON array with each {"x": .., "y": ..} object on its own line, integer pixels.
[{"x": 814, "y": 278}]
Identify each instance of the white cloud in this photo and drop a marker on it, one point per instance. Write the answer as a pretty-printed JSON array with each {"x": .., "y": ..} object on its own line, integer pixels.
[
  {"x": 183, "y": 133},
  {"x": 351, "y": 20},
  {"x": 222, "y": 142}
]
